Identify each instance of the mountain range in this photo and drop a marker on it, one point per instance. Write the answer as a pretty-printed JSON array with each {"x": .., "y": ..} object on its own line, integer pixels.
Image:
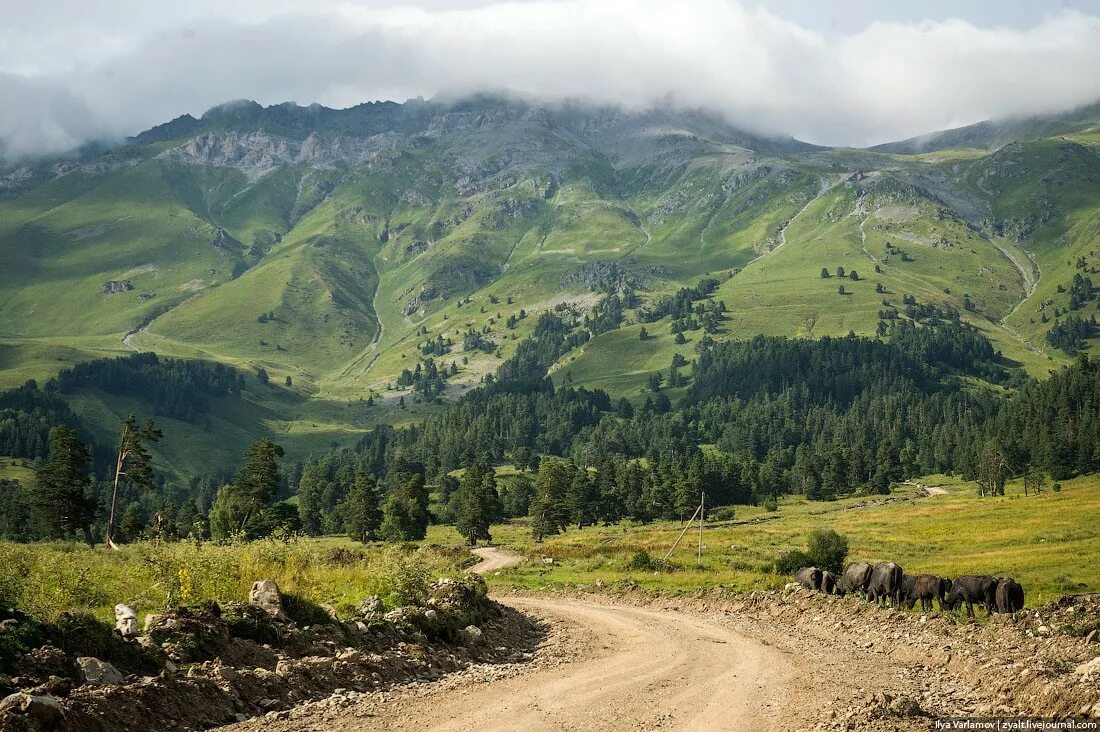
[{"x": 336, "y": 251}]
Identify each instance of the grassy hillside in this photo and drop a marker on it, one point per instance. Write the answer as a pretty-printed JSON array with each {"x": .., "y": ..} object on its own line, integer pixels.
[
  {"x": 331, "y": 246},
  {"x": 1039, "y": 539}
]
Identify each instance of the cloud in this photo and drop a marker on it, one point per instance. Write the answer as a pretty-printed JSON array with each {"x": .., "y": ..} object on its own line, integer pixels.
[{"x": 887, "y": 81}]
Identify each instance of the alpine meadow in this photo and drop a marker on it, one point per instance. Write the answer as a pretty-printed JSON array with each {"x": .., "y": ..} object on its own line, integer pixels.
[{"x": 540, "y": 410}]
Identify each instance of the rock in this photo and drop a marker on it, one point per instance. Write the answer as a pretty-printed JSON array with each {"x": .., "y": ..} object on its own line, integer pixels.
[
  {"x": 151, "y": 621},
  {"x": 225, "y": 673},
  {"x": 265, "y": 595},
  {"x": 431, "y": 615},
  {"x": 1043, "y": 630},
  {"x": 1092, "y": 637},
  {"x": 45, "y": 710},
  {"x": 113, "y": 287},
  {"x": 1089, "y": 669},
  {"x": 371, "y": 606},
  {"x": 98, "y": 673},
  {"x": 905, "y": 707},
  {"x": 126, "y": 621},
  {"x": 283, "y": 668},
  {"x": 471, "y": 635}
]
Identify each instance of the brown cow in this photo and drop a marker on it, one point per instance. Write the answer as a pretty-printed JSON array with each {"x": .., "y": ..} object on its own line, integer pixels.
[
  {"x": 923, "y": 587},
  {"x": 1009, "y": 596}
]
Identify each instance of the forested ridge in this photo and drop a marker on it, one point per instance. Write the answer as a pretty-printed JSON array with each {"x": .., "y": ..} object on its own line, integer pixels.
[{"x": 752, "y": 420}]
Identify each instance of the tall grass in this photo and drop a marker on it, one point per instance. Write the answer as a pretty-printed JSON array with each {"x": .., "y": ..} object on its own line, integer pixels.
[{"x": 48, "y": 579}]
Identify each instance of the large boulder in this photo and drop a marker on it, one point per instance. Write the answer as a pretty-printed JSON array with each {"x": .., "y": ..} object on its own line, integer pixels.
[
  {"x": 45, "y": 710},
  {"x": 98, "y": 673},
  {"x": 126, "y": 621},
  {"x": 266, "y": 596}
]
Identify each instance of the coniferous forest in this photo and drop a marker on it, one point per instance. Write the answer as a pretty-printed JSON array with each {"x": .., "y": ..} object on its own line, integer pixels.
[{"x": 752, "y": 420}]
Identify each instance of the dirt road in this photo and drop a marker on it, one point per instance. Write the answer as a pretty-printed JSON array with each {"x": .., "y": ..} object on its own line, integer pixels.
[
  {"x": 628, "y": 669},
  {"x": 606, "y": 666},
  {"x": 493, "y": 559}
]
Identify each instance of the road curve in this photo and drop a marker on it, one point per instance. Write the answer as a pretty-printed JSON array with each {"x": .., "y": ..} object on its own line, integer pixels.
[
  {"x": 493, "y": 559},
  {"x": 641, "y": 669}
]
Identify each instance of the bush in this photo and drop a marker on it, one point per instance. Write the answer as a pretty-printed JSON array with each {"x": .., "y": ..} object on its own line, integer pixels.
[
  {"x": 827, "y": 549},
  {"x": 1057, "y": 487},
  {"x": 771, "y": 505},
  {"x": 641, "y": 561},
  {"x": 723, "y": 513},
  {"x": 791, "y": 561}
]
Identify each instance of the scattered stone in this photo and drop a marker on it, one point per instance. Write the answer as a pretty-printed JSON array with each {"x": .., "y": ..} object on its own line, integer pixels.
[
  {"x": 226, "y": 673},
  {"x": 113, "y": 287},
  {"x": 126, "y": 621},
  {"x": 98, "y": 673},
  {"x": 1089, "y": 669},
  {"x": 905, "y": 707},
  {"x": 371, "y": 606},
  {"x": 471, "y": 635},
  {"x": 1091, "y": 637},
  {"x": 265, "y": 595}
]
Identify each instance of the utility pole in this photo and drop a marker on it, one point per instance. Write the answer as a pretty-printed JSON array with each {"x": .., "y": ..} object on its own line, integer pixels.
[{"x": 702, "y": 502}]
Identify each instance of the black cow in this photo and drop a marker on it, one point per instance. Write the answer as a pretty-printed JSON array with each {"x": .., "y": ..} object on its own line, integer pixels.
[
  {"x": 885, "y": 584},
  {"x": 924, "y": 587},
  {"x": 809, "y": 577},
  {"x": 828, "y": 582},
  {"x": 855, "y": 579},
  {"x": 1009, "y": 596},
  {"x": 971, "y": 590}
]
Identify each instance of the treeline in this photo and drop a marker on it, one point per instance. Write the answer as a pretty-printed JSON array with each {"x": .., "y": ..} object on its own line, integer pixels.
[
  {"x": 820, "y": 418},
  {"x": 176, "y": 388},
  {"x": 26, "y": 416}
]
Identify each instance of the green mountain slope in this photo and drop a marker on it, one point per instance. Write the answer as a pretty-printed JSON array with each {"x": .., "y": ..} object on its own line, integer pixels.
[{"x": 337, "y": 246}]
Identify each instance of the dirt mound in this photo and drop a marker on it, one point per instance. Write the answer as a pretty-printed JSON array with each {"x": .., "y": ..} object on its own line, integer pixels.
[{"x": 217, "y": 665}]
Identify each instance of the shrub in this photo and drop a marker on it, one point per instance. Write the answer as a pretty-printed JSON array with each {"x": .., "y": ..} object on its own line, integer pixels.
[
  {"x": 641, "y": 561},
  {"x": 723, "y": 513},
  {"x": 827, "y": 549},
  {"x": 790, "y": 562},
  {"x": 771, "y": 505}
]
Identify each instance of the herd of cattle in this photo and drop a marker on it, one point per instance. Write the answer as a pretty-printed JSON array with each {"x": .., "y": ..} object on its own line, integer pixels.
[{"x": 886, "y": 583}]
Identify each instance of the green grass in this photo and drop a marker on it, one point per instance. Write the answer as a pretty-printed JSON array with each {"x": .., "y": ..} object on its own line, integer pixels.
[
  {"x": 16, "y": 469},
  {"x": 1044, "y": 541},
  {"x": 47, "y": 579}
]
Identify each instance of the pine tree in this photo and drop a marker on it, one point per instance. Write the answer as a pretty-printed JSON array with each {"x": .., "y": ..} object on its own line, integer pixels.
[
  {"x": 405, "y": 511},
  {"x": 549, "y": 511},
  {"x": 134, "y": 462},
  {"x": 362, "y": 512},
  {"x": 477, "y": 504},
  {"x": 58, "y": 499}
]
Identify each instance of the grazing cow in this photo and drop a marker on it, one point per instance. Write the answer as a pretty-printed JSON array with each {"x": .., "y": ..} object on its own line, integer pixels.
[
  {"x": 923, "y": 587},
  {"x": 828, "y": 582},
  {"x": 855, "y": 579},
  {"x": 1009, "y": 596},
  {"x": 809, "y": 577},
  {"x": 908, "y": 590},
  {"x": 973, "y": 590},
  {"x": 885, "y": 584}
]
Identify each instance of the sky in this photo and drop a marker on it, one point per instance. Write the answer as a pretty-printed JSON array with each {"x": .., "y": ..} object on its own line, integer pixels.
[{"x": 844, "y": 72}]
